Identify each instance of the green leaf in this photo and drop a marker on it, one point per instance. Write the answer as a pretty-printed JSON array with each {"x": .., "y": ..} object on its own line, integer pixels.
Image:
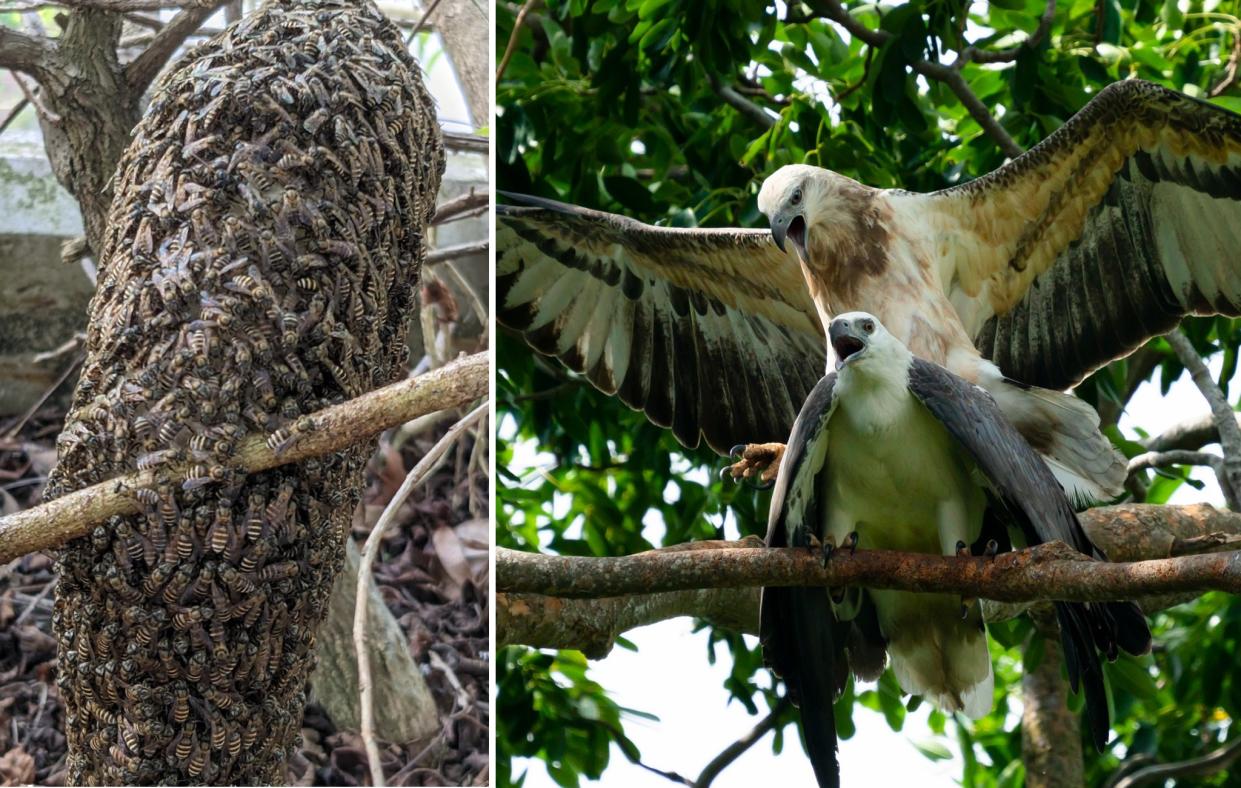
[{"x": 933, "y": 749}]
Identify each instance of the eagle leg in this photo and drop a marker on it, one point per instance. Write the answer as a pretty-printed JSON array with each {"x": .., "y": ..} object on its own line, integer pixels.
[
  {"x": 761, "y": 460},
  {"x": 968, "y": 602},
  {"x": 992, "y": 548}
]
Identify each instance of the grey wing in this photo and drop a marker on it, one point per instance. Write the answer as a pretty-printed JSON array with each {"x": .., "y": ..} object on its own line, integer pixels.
[
  {"x": 802, "y": 640},
  {"x": 1029, "y": 497},
  {"x": 1107, "y": 233},
  {"x": 710, "y": 332}
]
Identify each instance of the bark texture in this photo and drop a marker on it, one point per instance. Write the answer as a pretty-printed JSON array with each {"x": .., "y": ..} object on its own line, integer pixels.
[
  {"x": 257, "y": 265},
  {"x": 1051, "y": 738},
  {"x": 462, "y": 24}
]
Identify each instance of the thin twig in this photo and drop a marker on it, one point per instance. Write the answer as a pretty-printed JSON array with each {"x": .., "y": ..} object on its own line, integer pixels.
[
  {"x": 1212, "y": 762},
  {"x": 1224, "y": 416},
  {"x": 417, "y": 474},
  {"x": 16, "y": 428},
  {"x": 422, "y": 20},
  {"x": 466, "y": 143},
  {"x": 976, "y": 55},
  {"x": 453, "y": 252},
  {"x": 13, "y": 113},
  {"x": 735, "y": 750},
  {"x": 741, "y": 103},
  {"x": 457, "y": 206},
  {"x": 1164, "y": 459},
  {"x": 512, "y": 39},
  {"x": 336, "y": 428},
  {"x": 33, "y": 98},
  {"x": 1232, "y": 71}
]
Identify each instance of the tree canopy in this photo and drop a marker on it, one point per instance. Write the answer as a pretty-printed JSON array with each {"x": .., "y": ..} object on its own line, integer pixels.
[{"x": 673, "y": 112}]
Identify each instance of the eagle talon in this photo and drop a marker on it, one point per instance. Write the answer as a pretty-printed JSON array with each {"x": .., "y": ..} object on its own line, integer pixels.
[
  {"x": 967, "y": 604},
  {"x": 992, "y": 548},
  {"x": 736, "y": 451},
  {"x": 850, "y": 542},
  {"x": 963, "y": 550},
  {"x": 827, "y": 551}
]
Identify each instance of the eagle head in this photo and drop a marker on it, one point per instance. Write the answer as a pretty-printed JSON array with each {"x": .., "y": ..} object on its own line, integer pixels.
[
  {"x": 800, "y": 199},
  {"x": 858, "y": 337}
]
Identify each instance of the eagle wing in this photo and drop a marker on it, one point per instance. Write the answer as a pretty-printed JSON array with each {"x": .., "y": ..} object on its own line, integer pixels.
[
  {"x": 1107, "y": 233},
  {"x": 1027, "y": 495},
  {"x": 802, "y": 640},
  {"x": 710, "y": 332}
]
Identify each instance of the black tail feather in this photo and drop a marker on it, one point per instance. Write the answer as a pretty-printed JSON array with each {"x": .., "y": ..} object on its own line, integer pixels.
[
  {"x": 796, "y": 631},
  {"x": 1109, "y": 627}
]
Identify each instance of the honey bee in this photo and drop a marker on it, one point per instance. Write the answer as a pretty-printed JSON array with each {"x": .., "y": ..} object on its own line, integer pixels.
[
  {"x": 198, "y": 761},
  {"x": 176, "y": 586},
  {"x": 180, "y": 703},
  {"x": 235, "y": 581},
  {"x": 194, "y": 670},
  {"x": 279, "y": 571},
  {"x": 184, "y": 745},
  {"x": 202, "y": 475}
]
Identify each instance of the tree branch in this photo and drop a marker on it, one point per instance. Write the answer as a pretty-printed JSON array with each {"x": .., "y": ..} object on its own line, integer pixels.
[
  {"x": 103, "y": 5},
  {"x": 1129, "y": 532},
  {"x": 453, "y": 252},
  {"x": 1189, "y": 435},
  {"x": 143, "y": 69},
  {"x": 53, "y": 523},
  {"x": 1224, "y": 416},
  {"x": 974, "y": 54},
  {"x": 738, "y": 748},
  {"x": 466, "y": 143},
  {"x": 740, "y": 103},
  {"x": 949, "y": 75},
  {"x": 1051, "y": 739},
  {"x": 25, "y": 53},
  {"x": 1212, "y": 762}
]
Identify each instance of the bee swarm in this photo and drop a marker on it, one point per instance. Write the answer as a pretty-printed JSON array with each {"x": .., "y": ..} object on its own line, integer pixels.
[{"x": 260, "y": 256}]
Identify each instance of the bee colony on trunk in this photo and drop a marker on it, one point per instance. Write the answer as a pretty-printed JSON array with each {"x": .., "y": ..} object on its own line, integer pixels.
[{"x": 261, "y": 254}]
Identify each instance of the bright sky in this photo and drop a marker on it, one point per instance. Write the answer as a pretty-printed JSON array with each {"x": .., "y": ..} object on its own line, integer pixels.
[{"x": 669, "y": 676}]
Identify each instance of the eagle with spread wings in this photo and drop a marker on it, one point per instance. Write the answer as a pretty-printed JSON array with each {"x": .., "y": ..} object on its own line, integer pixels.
[{"x": 1024, "y": 281}]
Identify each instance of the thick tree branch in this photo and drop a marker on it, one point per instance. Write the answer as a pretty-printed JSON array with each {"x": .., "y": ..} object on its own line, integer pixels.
[
  {"x": 143, "y": 69},
  {"x": 53, "y": 523},
  {"x": 1224, "y": 416},
  {"x": 1051, "y": 739},
  {"x": 104, "y": 5},
  {"x": 1130, "y": 532},
  {"x": 22, "y": 52},
  {"x": 1046, "y": 572}
]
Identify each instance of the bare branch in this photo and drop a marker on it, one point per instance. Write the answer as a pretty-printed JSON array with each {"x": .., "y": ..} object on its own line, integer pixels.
[
  {"x": 1164, "y": 459},
  {"x": 1224, "y": 416},
  {"x": 143, "y": 69},
  {"x": 738, "y": 748},
  {"x": 53, "y": 523},
  {"x": 1046, "y": 572},
  {"x": 1128, "y": 532},
  {"x": 429, "y": 462},
  {"x": 453, "y": 252},
  {"x": 459, "y": 207},
  {"x": 13, "y": 113},
  {"x": 25, "y": 53},
  {"x": 976, "y": 55},
  {"x": 1189, "y": 435},
  {"x": 1232, "y": 71},
  {"x": 512, "y": 39},
  {"x": 740, "y": 103},
  {"x": 1211, "y": 763},
  {"x": 466, "y": 143}
]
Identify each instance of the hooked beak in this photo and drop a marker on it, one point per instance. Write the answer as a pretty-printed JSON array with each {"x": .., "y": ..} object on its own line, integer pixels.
[
  {"x": 846, "y": 341},
  {"x": 791, "y": 225}
]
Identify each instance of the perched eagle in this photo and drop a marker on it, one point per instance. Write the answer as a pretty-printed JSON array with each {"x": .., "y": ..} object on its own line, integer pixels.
[
  {"x": 897, "y": 453},
  {"x": 1106, "y": 234}
]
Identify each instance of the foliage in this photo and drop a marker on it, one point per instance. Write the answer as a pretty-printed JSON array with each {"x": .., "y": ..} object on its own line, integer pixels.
[{"x": 617, "y": 105}]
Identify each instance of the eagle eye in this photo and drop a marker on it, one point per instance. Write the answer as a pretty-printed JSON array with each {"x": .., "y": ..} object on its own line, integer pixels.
[
  {"x": 796, "y": 199},
  {"x": 868, "y": 326}
]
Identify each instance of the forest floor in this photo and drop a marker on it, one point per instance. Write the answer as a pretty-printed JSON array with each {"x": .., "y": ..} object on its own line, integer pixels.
[{"x": 432, "y": 573}]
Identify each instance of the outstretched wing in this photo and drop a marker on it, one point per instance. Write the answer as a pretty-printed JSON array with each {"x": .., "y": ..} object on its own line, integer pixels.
[
  {"x": 1027, "y": 495},
  {"x": 1107, "y": 233},
  {"x": 802, "y": 640},
  {"x": 710, "y": 332}
]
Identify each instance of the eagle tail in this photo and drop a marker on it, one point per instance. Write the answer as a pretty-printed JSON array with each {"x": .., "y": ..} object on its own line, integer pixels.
[
  {"x": 796, "y": 631},
  {"x": 1108, "y": 626}
]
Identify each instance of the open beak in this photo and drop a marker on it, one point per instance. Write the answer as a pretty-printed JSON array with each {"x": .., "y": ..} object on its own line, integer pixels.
[
  {"x": 845, "y": 341},
  {"x": 792, "y": 228}
]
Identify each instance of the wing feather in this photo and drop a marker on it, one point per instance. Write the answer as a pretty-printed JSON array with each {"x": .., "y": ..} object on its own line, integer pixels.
[
  {"x": 676, "y": 321},
  {"x": 1026, "y": 494},
  {"x": 1132, "y": 208}
]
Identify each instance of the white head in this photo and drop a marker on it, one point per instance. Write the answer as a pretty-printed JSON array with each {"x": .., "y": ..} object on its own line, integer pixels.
[
  {"x": 862, "y": 344},
  {"x": 800, "y": 200}
]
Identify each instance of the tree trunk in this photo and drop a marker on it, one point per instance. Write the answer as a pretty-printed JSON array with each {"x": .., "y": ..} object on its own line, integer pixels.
[
  {"x": 463, "y": 25},
  {"x": 404, "y": 708},
  {"x": 1051, "y": 737},
  {"x": 258, "y": 264}
]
